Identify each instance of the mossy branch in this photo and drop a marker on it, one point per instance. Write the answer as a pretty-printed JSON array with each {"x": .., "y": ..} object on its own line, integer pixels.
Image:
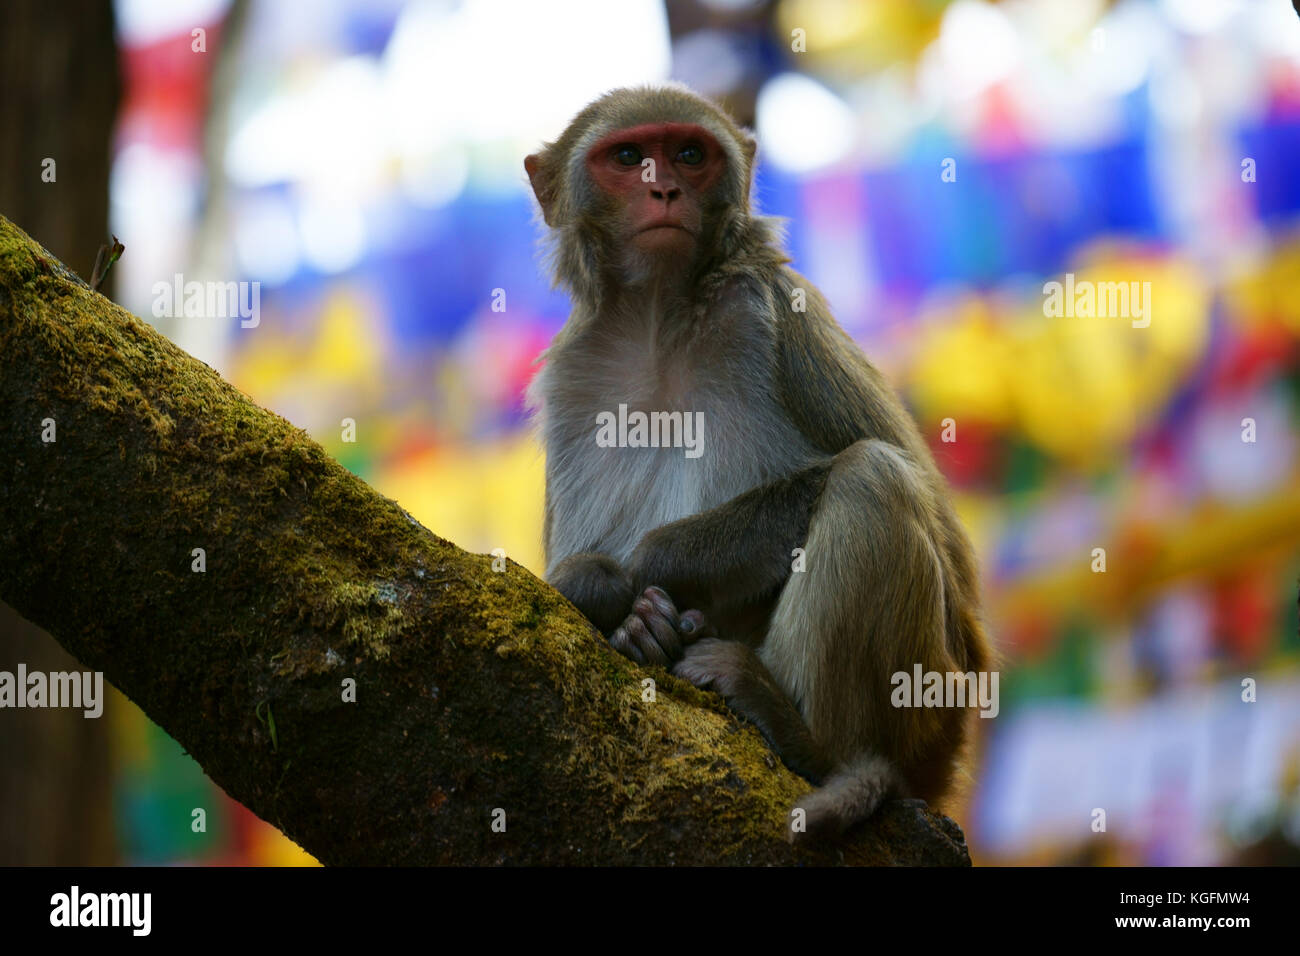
[{"x": 475, "y": 690}]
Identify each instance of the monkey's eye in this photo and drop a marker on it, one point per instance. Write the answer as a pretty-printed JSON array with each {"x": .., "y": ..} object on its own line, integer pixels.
[
  {"x": 627, "y": 155},
  {"x": 691, "y": 155}
]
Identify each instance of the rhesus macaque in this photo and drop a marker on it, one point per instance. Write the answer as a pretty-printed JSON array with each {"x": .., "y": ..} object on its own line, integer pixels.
[{"x": 683, "y": 302}]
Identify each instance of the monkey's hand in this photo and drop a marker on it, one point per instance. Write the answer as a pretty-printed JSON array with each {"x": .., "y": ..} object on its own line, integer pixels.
[{"x": 654, "y": 633}]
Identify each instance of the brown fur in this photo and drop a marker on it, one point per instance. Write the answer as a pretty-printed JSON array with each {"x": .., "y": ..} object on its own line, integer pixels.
[{"x": 809, "y": 448}]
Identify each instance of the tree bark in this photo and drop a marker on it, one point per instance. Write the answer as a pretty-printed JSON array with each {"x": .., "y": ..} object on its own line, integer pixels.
[{"x": 481, "y": 696}]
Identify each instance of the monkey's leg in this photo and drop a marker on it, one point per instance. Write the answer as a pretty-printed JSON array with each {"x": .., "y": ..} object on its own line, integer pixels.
[{"x": 871, "y": 603}]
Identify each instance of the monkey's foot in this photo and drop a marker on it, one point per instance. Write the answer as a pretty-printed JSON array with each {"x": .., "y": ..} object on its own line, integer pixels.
[
  {"x": 717, "y": 665},
  {"x": 655, "y": 633}
]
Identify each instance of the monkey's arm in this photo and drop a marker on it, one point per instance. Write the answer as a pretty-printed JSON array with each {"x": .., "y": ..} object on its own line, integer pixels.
[
  {"x": 734, "y": 553},
  {"x": 716, "y": 566},
  {"x": 741, "y": 550}
]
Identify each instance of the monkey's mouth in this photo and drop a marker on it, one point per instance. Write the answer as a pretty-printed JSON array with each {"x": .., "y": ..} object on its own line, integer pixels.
[{"x": 665, "y": 225}]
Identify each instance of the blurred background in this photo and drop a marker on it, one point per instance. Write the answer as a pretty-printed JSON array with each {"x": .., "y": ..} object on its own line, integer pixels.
[{"x": 938, "y": 162}]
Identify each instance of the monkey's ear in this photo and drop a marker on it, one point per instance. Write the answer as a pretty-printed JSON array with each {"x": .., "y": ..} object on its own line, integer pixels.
[
  {"x": 543, "y": 186},
  {"x": 748, "y": 146}
]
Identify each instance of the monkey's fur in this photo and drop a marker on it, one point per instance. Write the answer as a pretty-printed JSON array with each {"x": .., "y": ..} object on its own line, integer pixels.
[{"x": 805, "y": 446}]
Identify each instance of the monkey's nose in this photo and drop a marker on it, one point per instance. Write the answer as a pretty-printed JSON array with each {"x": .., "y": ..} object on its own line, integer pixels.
[{"x": 667, "y": 195}]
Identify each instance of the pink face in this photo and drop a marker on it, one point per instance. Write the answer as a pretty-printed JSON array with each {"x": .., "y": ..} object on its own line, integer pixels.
[{"x": 665, "y": 214}]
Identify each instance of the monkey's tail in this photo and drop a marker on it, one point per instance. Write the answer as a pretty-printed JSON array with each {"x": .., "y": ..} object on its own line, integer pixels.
[{"x": 849, "y": 795}]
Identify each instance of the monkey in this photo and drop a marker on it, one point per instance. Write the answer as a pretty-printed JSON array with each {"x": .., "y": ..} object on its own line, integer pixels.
[{"x": 811, "y": 550}]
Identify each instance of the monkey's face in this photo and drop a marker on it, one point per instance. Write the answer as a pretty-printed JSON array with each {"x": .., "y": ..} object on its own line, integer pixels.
[{"x": 660, "y": 179}]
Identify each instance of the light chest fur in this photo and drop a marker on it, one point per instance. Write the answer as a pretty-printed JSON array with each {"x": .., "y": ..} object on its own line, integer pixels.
[{"x": 605, "y": 499}]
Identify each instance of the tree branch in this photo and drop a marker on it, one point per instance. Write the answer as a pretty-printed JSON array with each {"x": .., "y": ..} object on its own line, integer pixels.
[{"x": 475, "y": 690}]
